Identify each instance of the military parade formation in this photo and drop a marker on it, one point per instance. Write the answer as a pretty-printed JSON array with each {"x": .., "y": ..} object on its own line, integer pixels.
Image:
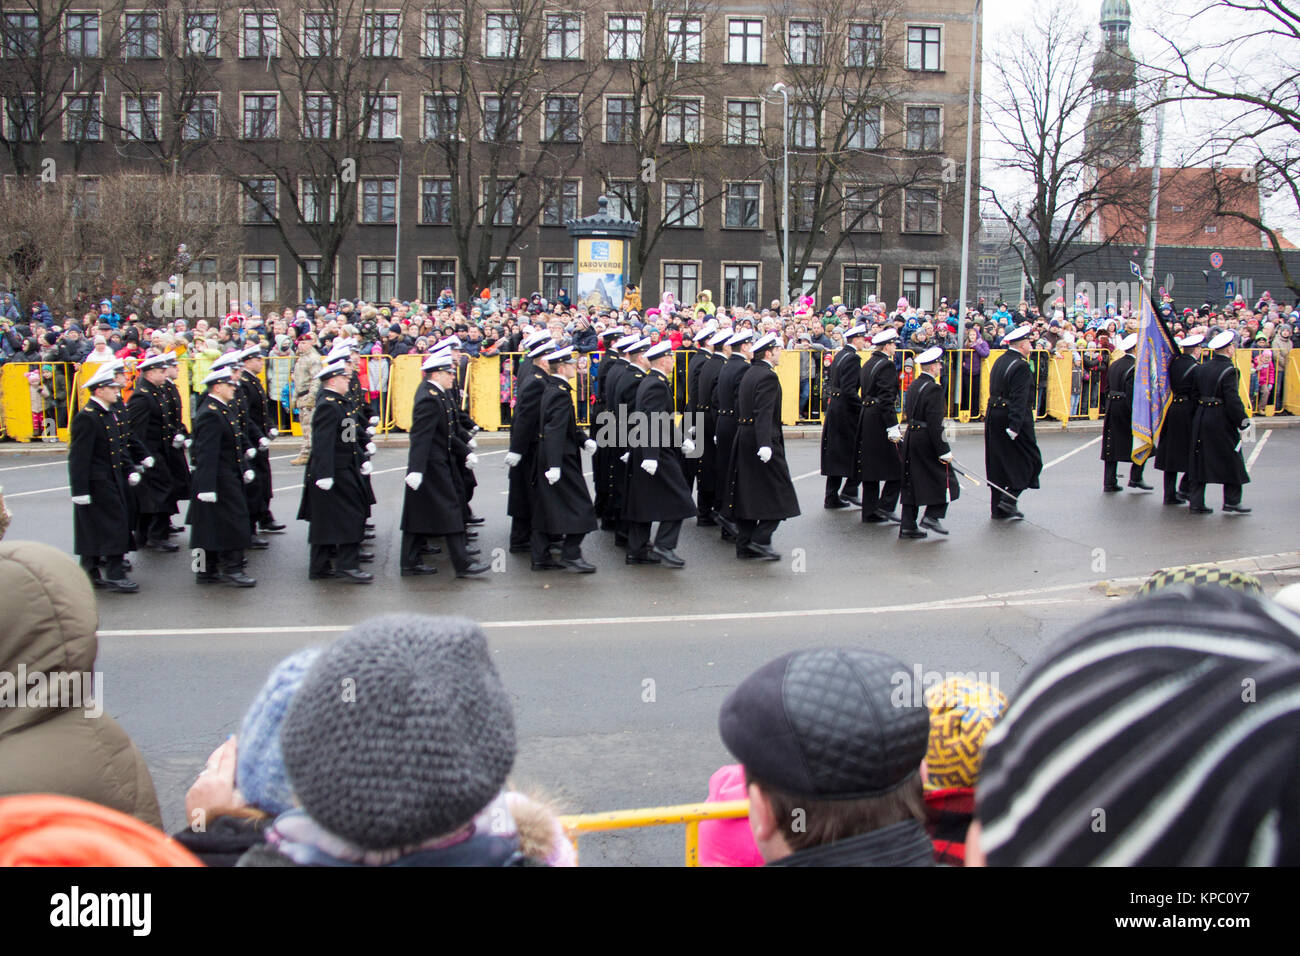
[{"x": 722, "y": 461}]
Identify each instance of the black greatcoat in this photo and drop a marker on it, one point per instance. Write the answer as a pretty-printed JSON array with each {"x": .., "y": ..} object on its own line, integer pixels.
[
  {"x": 98, "y": 463},
  {"x": 879, "y": 458},
  {"x": 1012, "y": 395},
  {"x": 177, "y": 462},
  {"x": 666, "y": 495},
  {"x": 459, "y": 448},
  {"x": 605, "y": 465},
  {"x": 337, "y": 516},
  {"x": 462, "y": 423},
  {"x": 926, "y": 479},
  {"x": 1174, "y": 450},
  {"x": 843, "y": 409},
  {"x": 726, "y": 394},
  {"x": 1117, "y": 432},
  {"x": 357, "y": 407},
  {"x": 435, "y": 507},
  {"x": 761, "y": 492},
  {"x": 695, "y": 362},
  {"x": 523, "y": 442},
  {"x": 564, "y": 507},
  {"x": 624, "y": 400},
  {"x": 708, "y": 467},
  {"x": 1217, "y": 424},
  {"x": 147, "y": 413},
  {"x": 252, "y": 398},
  {"x": 219, "y": 467}
]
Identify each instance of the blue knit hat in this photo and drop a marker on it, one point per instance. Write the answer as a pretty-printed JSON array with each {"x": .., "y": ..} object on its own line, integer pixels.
[{"x": 259, "y": 773}]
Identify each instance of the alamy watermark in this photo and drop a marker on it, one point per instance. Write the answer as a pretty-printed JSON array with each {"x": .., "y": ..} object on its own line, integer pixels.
[
  {"x": 920, "y": 688},
  {"x": 650, "y": 430},
  {"x": 194, "y": 299},
  {"x": 62, "y": 690}
]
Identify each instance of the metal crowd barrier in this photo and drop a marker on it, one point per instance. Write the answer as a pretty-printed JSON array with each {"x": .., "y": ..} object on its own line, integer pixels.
[{"x": 690, "y": 814}]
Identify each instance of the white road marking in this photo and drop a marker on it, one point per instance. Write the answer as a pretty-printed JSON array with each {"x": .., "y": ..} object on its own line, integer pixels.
[
  {"x": 1057, "y": 461},
  {"x": 39, "y": 491},
  {"x": 808, "y": 475},
  {"x": 1258, "y": 448},
  {"x": 43, "y": 464}
]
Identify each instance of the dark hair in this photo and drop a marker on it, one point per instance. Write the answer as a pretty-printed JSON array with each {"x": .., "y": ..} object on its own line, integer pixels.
[{"x": 807, "y": 822}]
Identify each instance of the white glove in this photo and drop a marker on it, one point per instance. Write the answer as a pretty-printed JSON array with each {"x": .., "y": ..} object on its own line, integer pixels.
[
  {"x": 946, "y": 456},
  {"x": 274, "y": 433},
  {"x": 366, "y": 468},
  {"x": 650, "y": 466},
  {"x": 189, "y": 442},
  {"x": 895, "y": 433},
  {"x": 692, "y": 432},
  {"x": 688, "y": 446},
  {"x": 414, "y": 479},
  {"x": 370, "y": 448},
  {"x": 81, "y": 499},
  {"x": 178, "y": 441},
  {"x": 513, "y": 458},
  {"x": 148, "y": 462},
  {"x": 371, "y": 431},
  {"x": 1011, "y": 434},
  {"x": 589, "y": 446},
  {"x": 208, "y": 496},
  {"x": 374, "y": 419},
  {"x": 324, "y": 484},
  {"x": 249, "y": 476},
  {"x": 250, "y": 454},
  {"x": 264, "y": 443},
  {"x": 552, "y": 475},
  {"x": 472, "y": 443},
  {"x": 625, "y": 456},
  {"x": 471, "y": 460},
  {"x": 715, "y": 439},
  {"x": 765, "y": 454},
  {"x": 133, "y": 479}
]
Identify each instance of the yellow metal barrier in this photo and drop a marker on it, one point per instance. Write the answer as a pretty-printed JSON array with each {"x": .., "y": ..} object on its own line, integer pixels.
[{"x": 690, "y": 814}]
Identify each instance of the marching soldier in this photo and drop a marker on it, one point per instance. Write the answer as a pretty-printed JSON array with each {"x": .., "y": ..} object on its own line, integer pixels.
[
  {"x": 613, "y": 367},
  {"x": 1011, "y": 456},
  {"x": 464, "y": 422},
  {"x": 624, "y": 400},
  {"x": 334, "y": 499},
  {"x": 148, "y": 412},
  {"x": 218, "y": 514},
  {"x": 691, "y": 409},
  {"x": 247, "y": 443},
  {"x": 357, "y": 408},
  {"x": 101, "y": 475},
  {"x": 563, "y": 505},
  {"x": 878, "y": 433},
  {"x": 927, "y": 479},
  {"x": 1174, "y": 450},
  {"x": 657, "y": 486},
  {"x": 432, "y": 504},
  {"x": 257, "y": 419},
  {"x": 1117, "y": 432},
  {"x": 521, "y": 457},
  {"x": 762, "y": 492},
  {"x": 599, "y": 460},
  {"x": 840, "y": 428},
  {"x": 1216, "y": 430},
  {"x": 707, "y": 471},
  {"x": 178, "y": 439},
  {"x": 726, "y": 394}
]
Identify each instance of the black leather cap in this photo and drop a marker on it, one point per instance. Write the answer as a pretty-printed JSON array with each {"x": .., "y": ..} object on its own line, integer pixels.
[{"x": 823, "y": 724}]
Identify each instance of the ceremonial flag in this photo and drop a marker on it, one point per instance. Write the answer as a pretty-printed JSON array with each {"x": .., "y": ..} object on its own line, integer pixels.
[{"x": 1151, "y": 393}]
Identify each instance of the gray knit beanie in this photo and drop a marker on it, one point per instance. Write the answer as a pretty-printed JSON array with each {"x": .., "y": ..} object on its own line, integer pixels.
[{"x": 401, "y": 731}]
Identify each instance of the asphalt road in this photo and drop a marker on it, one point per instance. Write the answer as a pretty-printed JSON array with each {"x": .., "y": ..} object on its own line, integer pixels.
[{"x": 617, "y": 677}]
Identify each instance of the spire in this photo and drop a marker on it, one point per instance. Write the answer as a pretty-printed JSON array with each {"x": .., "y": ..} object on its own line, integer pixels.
[{"x": 1114, "y": 130}]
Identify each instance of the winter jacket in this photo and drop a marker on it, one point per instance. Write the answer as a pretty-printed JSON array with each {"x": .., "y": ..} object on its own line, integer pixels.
[{"x": 73, "y": 749}]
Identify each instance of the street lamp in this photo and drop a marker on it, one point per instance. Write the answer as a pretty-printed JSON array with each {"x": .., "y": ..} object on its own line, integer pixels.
[
  {"x": 397, "y": 221},
  {"x": 785, "y": 182},
  {"x": 965, "y": 219}
]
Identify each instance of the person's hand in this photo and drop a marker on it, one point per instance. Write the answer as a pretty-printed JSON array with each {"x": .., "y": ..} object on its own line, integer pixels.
[
  {"x": 624, "y": 457},
  {"x": 894, "y": 433},
  {"x": 249, "y": 476},
  {"x": 250, "y": 454},
  {"x": 274, "y": 433},
  {"x": 472, "y": 443},
  {"x": 552, "y": 475},
  {"x": 414, "y": 479},
  {"x": 374, "y": 419},
  {"x": 264, "y": 443},
  {"x": 765, "y": 454},
  {"x": 688, "y": 446},
  {"x": 370, "y": 448},
  {"x": 366, "y": 468},
  {"x": 81, "y": 499},
  {"x": 471, "y": 460},
  {"x": 188, "y": 443},
  {"x": 214, "y": 794},
  {"x": 513, "y": 458},
  {"x": 1012, "y": 435},
  {"x": 324, "y": 484},
  {"x": 589, "y": 446},
  {"x": 370, "y": 430},
  {"x": 133, "y": 479},
  {"x": 207, "y": 497},
  {"x": 178, "y": 441},
  {"x": 650, "y": 466},
  {"x": 946, "y": 456}
]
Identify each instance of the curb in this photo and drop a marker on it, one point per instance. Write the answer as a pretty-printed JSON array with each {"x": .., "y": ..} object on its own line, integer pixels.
[{"x": 1274, "y": 572}]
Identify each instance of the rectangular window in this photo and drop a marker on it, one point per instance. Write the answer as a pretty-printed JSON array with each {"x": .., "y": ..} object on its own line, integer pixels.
[
  {"x": 563, "y": 120},
  {"x": 83, "y": 118},
  {"x": 923, "y": 48},
  {"x": 501, "y": 36},
  {"x": 85, "y": 198},
  {"x": 918, "y": 288},
  {"x": 435, "y": 276},
  {"x": 563, "y": 36},
  {"x": 379, "y": 200},
  {"x": 505, "y": 208},
  {"x": 201, "y": 117},
  {"x": 435, "y": 202},
  {"x": 311, "y": 199},
  {"x": 259, "y": 201},
  {"x": 260, "y": 116},
  {"x": 318, "y": 116},
  {"x": 22, "y": 35},
  {"x": 621, "y": 194},
  {"x": 739, "y": 284},
  {"x": 805, "y": 42},
  {"x": 140, "y": 117},
  {"x": 865, "y": 41},
  {"x": 508, "y": 282},
  {"x": 441, "y": 116},
  {"x": 319, "y": 36},
  {"x": 561, "y": 202},
  {"x": 861, "y": 209},
  {"x": 682, "y": 204},
  {"x": 309, "y": 280},
  {"x": 202, "y": 199},
  {"x": 920, "y": 210},
  {"x": 82, "y": 34},
  {"x": 682, "y": 120},
  {"x": 263, "y": 272},
  {"x": 140, "y": 35},
  {"x": 382, "y": 33},
  {"x": 556, "y": 275},
  {"x": 742, "y": 206},
  {"x": 381, "y": 116},
  {"x": 260, "y": 34},
  {"x": 685, "y": 39},
  {"x": 803, "y": 205},
  {"x": 863, "y": 127},
  {"x": 623, "y": 40},
  {"x": 201, "y": 34},
  {"x": 860, "y": 283},
  {"x": 742, "y": 123},
  {"x": 501, "y": 119},
  {"x": 205, "y": 268},
  {"x": 620, "y": 119},
  {"x": 682, "y": 279},
  {"x": 20, "y": 118},
  {"x": 442, "y": 35},
  {"x": 744, "y": 41},
  {"x": 924, "y": 129},
  {"x": 378, "y": 279},
  {"x": 803, "y": 125}
]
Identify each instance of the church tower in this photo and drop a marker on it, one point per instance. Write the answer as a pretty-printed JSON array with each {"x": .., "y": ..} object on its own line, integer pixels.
[{"x": 1114, "y": 131}]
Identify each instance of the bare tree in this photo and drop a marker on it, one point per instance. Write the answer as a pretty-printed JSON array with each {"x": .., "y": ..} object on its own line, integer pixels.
[{"x": 47, "y": 234}]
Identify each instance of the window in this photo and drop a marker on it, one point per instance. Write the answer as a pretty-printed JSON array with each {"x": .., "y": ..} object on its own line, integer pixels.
[
  {"x": 435, "y": 202},
  {"x": 205, "y": 268},
  {"x": 82, "y": 117},
  {"x": 140, "y": 117},
  {"x": 742, "y": 122},
  {"x": 805, "y": 42},
  {"x": 920, "y": 210},
  {"x": 620, "y": 119},
  {"x": 739, "y": 284},
  {"x": 201, "y": 34},
  {"x": 863, "y": 127},
  {"x": 441, "y": 116},
  {"x": 561, "y": 202},
  {"x": 562, "y": 123},
  {"x": 140, "y": 36},
  {"x": 621, "y": 194},
  {"x": 311, "y": 199},
  {"x": 260, "y": 35},
  {"x": 1211, "y": 230},
  {"x": 860, "y": 283},
  {"x": 317, "y": 116},
  {"x": 382, "y": 33},
  {"x": 82, "y": 34},
  {"x": 808, "y": 286},
  {"x": 744, "y": 41},
  {"x": 742, "y": 206},
  {"x": 803, "y": 125},
  {"x": 85, "y": 198},
  {"x": 260, "y": 116},
  {"x": 923, "y": 48},
  {"x": 309, "y": 279},
  {"x": 436, "y": 275},
  {"x": 803, "y": 206},
  {"x": 262, "y": 271},
  {"x": 924, "y": 131},
  {"x": 501, "y": 36},
  {"x": 861, "y": 209},
  {"x": 259, "y": 201},
  {"x": 865, "y": 41},
  {"x": 504, "y": 208},
  {"x": 556, "y": 275},
  {"x": 319, "y": 37},
  {"x": 918, "y": 288},
  {"x": 685, "y": 39},
  {"x": 22, "y": 35},
  {"x": 20, "y": 118},
  {"x": 682, "y": 121},
  {"x": 500, "y": 118},
  {"x": 202, "y": 199},
  {"x": 200, "y": 118},
  {"x": 508, "y": 281},
  {"x": 682, "y": 279},
  {"x": 381, "y": 115},
  {"x": 623, "y": 39},
  {"x": 563, "y": 36},
  {"x": 442, "y": 35},
  {"x": 379, "y": 200},
  {"x": 1178, "y": 208},
  {"x": 682, "y": 204},
  {"x": 378, "y": 279}
]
